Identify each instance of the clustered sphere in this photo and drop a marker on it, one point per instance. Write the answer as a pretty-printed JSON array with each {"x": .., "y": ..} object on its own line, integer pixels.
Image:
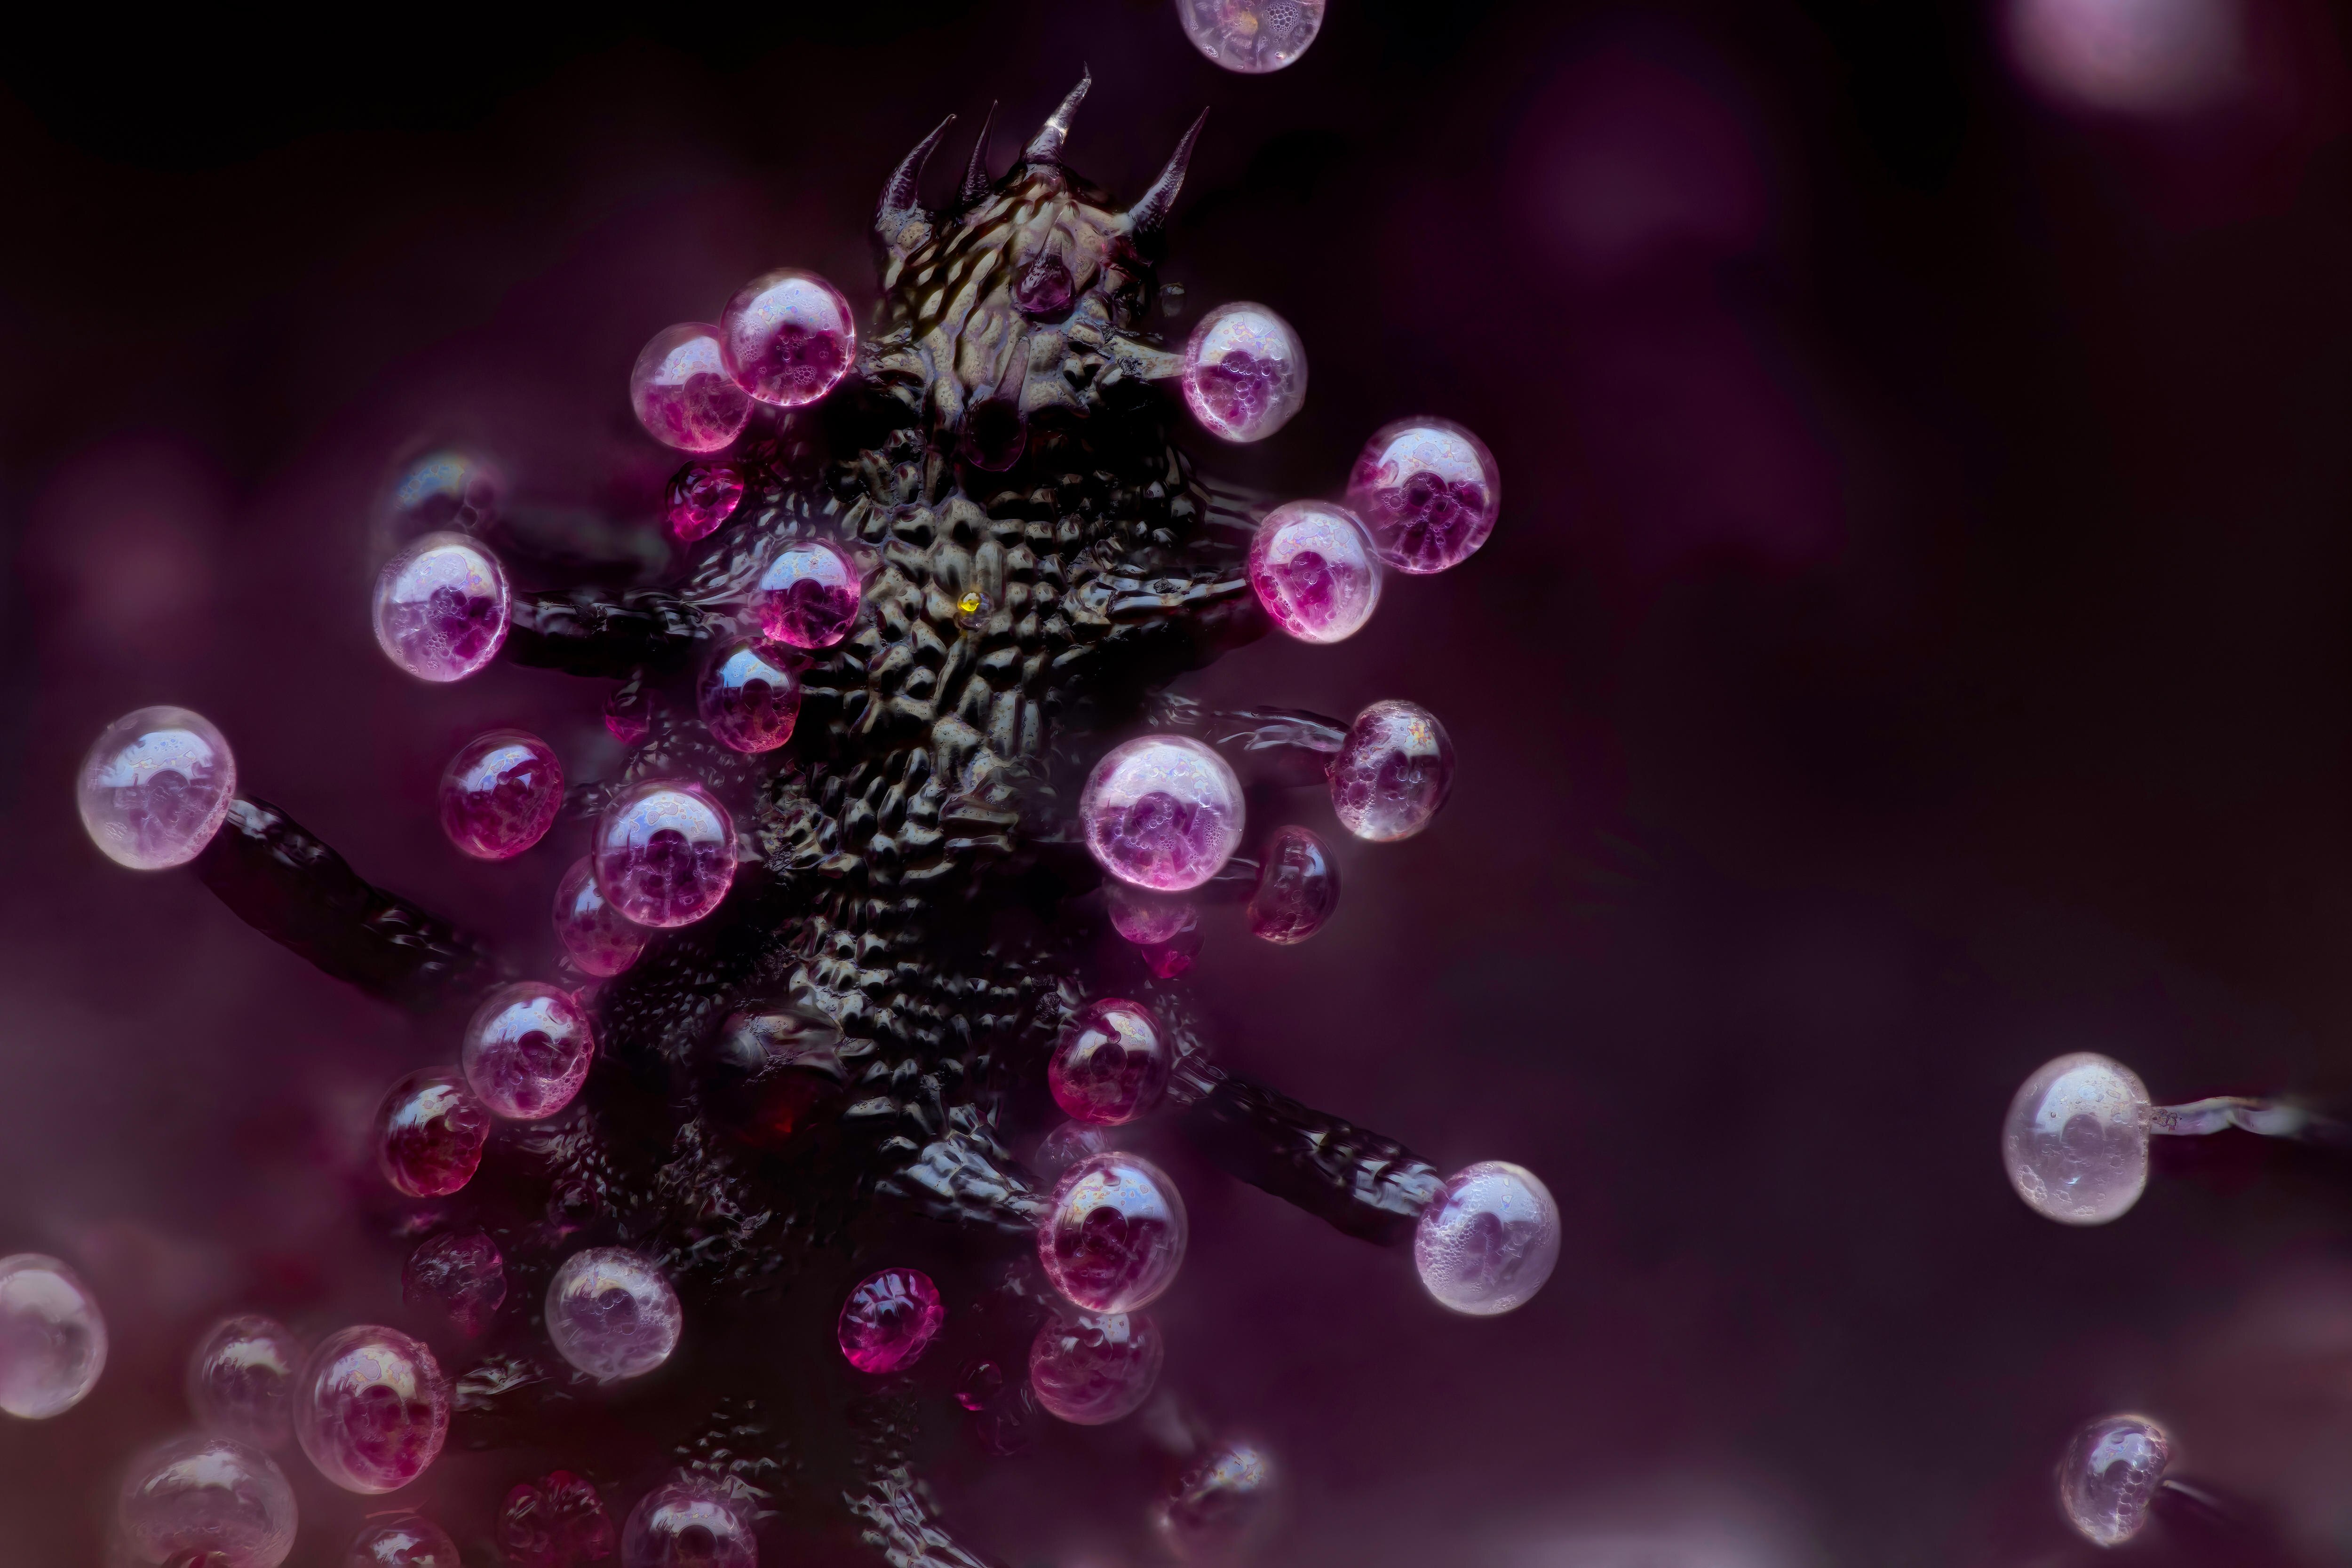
[
  {"x": 52, "y": 1337},
  {"x": 1313, "y": 569},
  {"x": 1393, "y": 773},
  {"x": 1163, "y": 812},
  {"x": 750, "y": 695},
  {"x": 1489, "y": 1241},
  {"x": 371, "y": 1409},
  {"x": 665, "y": 852},
  {"x": 206, "y": 1494},
  {"x": 594, "y": 934},
  {"x": 1091, "y": 1368},
  {"x": 2075, "y": 1143},
  {"x": 682, "y": 390},
  {"x": 689, "y": 1522},
  {"x": 441, "y": 608},
  {"x": 1298, "y": 887},
  {"x": 1114, "y": 1233},
  {"x": 501, "y": 793},
  {"x": 809, "y": 594},
  {"x": 429, "y": 1134},
  {"x": 404, "y": 1541},
  {"x": 889, "y": 1320},
  {"x": 788, "y": 338},
  {"x": 612, "y": 1313},
  {"x": 1251, "y": 36},
  {"x": 2109, "y": 1476},
  {"x": 1245, "y": 372},
  {"x": 700, "y": 497},
  {"x": 1430, "y": 492},
  {"x": 156, "y": 786},
  {"x": 241, "y": 1380},
  {"x": 526, "y": 1050},
  {"x": 1110, "y": 1064}
]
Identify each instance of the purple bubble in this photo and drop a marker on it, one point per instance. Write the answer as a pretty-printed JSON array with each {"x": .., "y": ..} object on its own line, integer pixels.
[
  {"x": 501, "y": 793},
  {"x": 682, "y": 392}
]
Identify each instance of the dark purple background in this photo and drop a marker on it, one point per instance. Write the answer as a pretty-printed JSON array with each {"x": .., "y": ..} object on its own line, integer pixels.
[{"x": 1917, "y": 643}]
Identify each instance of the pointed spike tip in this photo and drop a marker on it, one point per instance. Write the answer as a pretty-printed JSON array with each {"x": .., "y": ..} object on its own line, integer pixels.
[
  {"x": 1045, "y": 147},
  {"x": 1148, "y": 216},
  {"x": 976, "y": 177},
  {"x": 899, "y": 203}
]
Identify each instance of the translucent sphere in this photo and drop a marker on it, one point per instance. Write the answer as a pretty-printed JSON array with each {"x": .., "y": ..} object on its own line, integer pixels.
[
  {"x": 2109, "y": 1476},
  {"x": 1489, "y": 1240},
  {"x": 748, "y": 696},
  {"x": 1163, "y": 812},
  {"x": 1298, "y": 888},
  {"x": 688, "y": 1523},
  {"x": 1111, "y": 1063},
  {"x": 526, "y": 1050},
  {"x": 592, "y": 931},
  {"x": 612, "y": 1313},
  {"x": 629, "y": 714},
  {"x": 2076, "y": 1139},
  {"x": 155, "y": 787},
  {"x": 441, "y": 608},
  {"x": 1222, "y": 1507},
  {"x": 407, "y": 1541},
  {"x": 429, "y": 1134},
  {"x": 501, "y": 793},
  {"x": 1245, "y": 372},
  {"x": 462, "y": 1276},
  {"x": 700, "y": 496},
  {"x": 1091, "y": 1368},
  {"x": 788, "y": 337},
  {"x": 808, "y": 597},
  {"x": 208, "y": 1494},
  {"x": 1430, "y": 492},
  {"x": 52, "y": 1338},
  {"x": 664, "y": 853},
  {"x": 1251, "y": 36},
  {"x": 1393, "y": 773},
  {"x": 557, "y": 1522},
  {"x": 448, "y": 491},
  {"x": 1144, "y": 917},
  {"x": 683, "y": 393},
  {"x": 889, "y": 1320},
  {"x": 2131, "y": 57},
  {"x": 371, "y": 1409},
  {"x": 1069, "y": 1144},
  {"x": 1114, "y": 1233},
  {"x": 1313, "y": 569},
  {"x": 241, "y": 1380}
]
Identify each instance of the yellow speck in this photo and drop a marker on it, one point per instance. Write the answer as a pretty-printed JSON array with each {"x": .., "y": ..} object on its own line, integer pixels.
[{"x": 970, "y": 602}]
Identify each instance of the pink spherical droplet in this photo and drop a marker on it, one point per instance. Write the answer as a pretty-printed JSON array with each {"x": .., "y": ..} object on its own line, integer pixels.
[
  {"x": 689, "y": 1522},
  {"x": 1111, "y": 1063},
  {"x": 1223, "y": 1507},
  {"x": 749, "y": 694},
  {"x": 2075, "y": 1139},
  {"x": 664, "y": 853},
  {"x": 208, "y": 1494},
  {"x": 683, "y": 393},
  {"x": 501, "y": 793},
  {"x": 155, "y": 787},
  {"x": 1251, "y": 36},
  {"x": 1489, "y": 1240},
  {"x": 1313, "y": 568},
  {"x": 1093, "y": 1368},
  {"x": 788, "y": 338},
  {"x": 404, "y": 1541},
  {"x": 1245, "y": 372},
  {"x": 1114, "y": 1233},
  {"x": 889, "y": 1320},
  {"x": 555, "y": 1522},
  {"x": 460, "y": 1276},
  {"x": 1069, "y": 1144},
  {"x": 441, "y": 608},
  {"x": 808, "y": 597},
  {"x": 241, "y": 1380},
  {"x": 1393, "y": 773},
  {"x": 612, "y": 1313},
  {"x": 1298, "y": 888},
  {"x": 371, "y": 1409},
  {"x": 52, "y": 1337},
  {"x": 1163, "y": 812},
  {"x": 700, "y": 496},
  {"x": 526, "y": 1050},
  {"x": 1144, "y": 917},
  {"x": 2109, "y": 1475},
  {"x": 1429, "y": 491},
  {"x": 429, "y": 1134},
  {"x": 599, "y": 940}
]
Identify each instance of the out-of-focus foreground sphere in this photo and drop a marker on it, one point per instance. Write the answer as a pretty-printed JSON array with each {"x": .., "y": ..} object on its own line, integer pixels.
[
  {"x": 1223, "y": 1506},
  {"x": 409, "y": 1541},
  {"x": 441, "y": 608},
  {"x": 1251, "y": 36},
  {"x": 459, "y": 1273},
  {"x": 612, "y": 1314},
  {"x": 527, "y": 1050},
  {"x": 241, "y": 1380},
  {"x": 371, "y": 1409},
  {"x": 1312, "y": 566},
  {"x": 1091, "y": 1368},
  {"x": 52, "y": 1337},
  {"x": 1163, "y": 812},
  {"x": 2132, "y": 56},
  {"x": 1114, "y": 1233},
  {"x": 2109, "y": 1474},
  {"x": 1245, "y": 372},
  {"x": 682, "y": 393},
  {"x": 2075, "y": 1143},
  {"x": 208, "y": 1494},
  {"x": 155, "y": 786},
  {"x": 1393, "y": 773},
  {"x": 788, "y": 337},
  {"x": 664, "y": 853},
  {"x": 1489, "y": 1240},
  {"x": 501, "y": 793},
  {"x": 1429, "y": 491},
  {"x": 597, "y": 937},
  {"x": 688, "y": 1523}
]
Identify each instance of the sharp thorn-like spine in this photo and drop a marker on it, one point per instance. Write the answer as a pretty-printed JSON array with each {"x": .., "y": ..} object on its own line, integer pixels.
[
  {"x": 899, "y": 206},
  {"x": 1148, "y": 216},
  {"x": 976, "y": 177},
  {"x": 1045, "y": 147}
]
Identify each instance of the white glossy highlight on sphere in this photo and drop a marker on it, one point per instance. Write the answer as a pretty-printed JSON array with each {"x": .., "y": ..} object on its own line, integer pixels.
[
  {"x": 2109, "y": 1476},
  {"x": 1489, "y": 1241},
  {"x": 371, "y": 1408},
  {"x": 1163, "y": 812},
  {"x": 2075, "y": 1144},
  {"x": 689, "y": 1522},
  {"x": 683, "y": 394},
  {"x": 1312, "y": 566},
  {"x": 1114, "y": 1233},
  {"x": 206, "y": 1494},
  {"x": 404, "y": 1541},
  {"x": 788, "y": 337},
  {"x": 612, "y": 1314},
  {"x": 1251, "y": 37},
  {"x": 1429, "y": 492},
  {"x": 2131, "y": 57},
  {"x": 1245, "y": 372},
  {"x": 664, "y": 853},
  {"x": 526, "y": 1050},
  {"x": 241, "y": 1380},
  {"x": 441, "y": 608},
  {"x": 1393, "y": 773},
  {"x": 52, "y": 1337},
  {"x": 155, "y": 787}
]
